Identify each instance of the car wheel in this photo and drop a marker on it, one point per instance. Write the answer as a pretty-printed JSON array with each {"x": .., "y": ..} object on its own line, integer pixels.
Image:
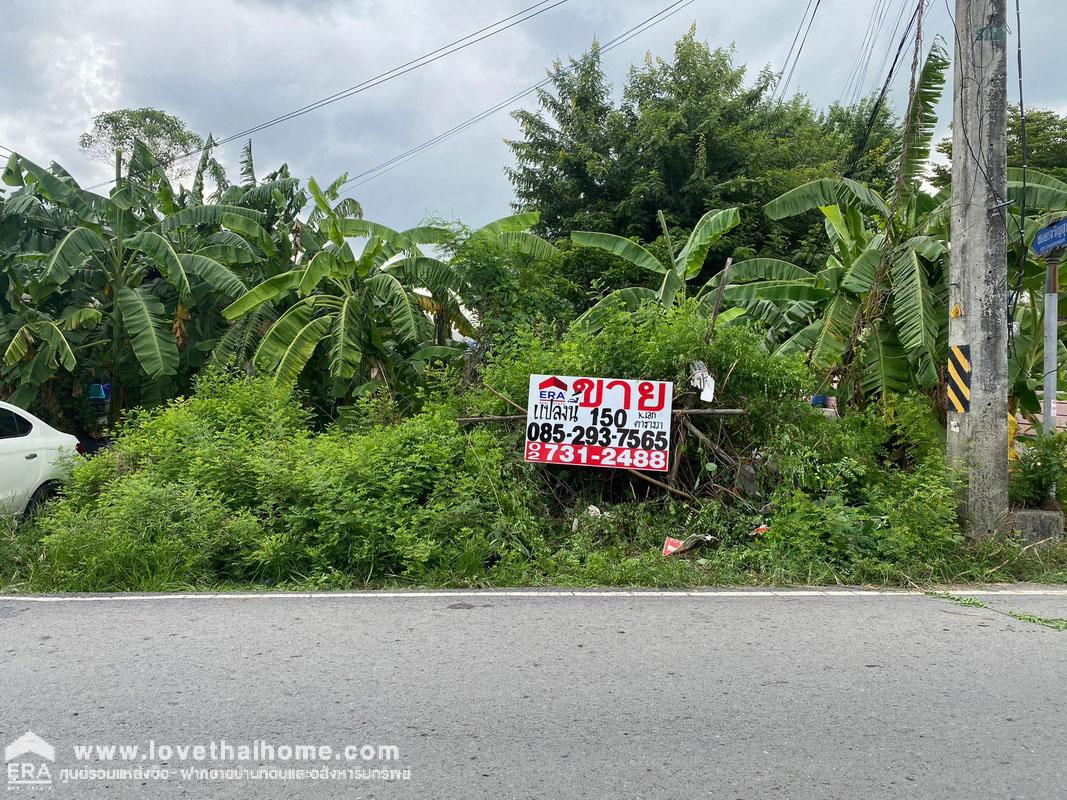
[{"x": 44, "y": 493}]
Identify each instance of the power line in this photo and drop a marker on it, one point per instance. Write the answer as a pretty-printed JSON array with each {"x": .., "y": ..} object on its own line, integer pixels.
[
  {"x": 884, "y": 61},
  {"x": 861, "y": 77},
  {"x": 866, "y": 47},
  {"x": 876, "y": 109},
  {"x": 462, "y": 43},
  {"x": 1018, "y": 288},
  {"x": 792, "y": 46},
  {"x": 796, "y": 59},
  {"x": 401, "y": 158}
]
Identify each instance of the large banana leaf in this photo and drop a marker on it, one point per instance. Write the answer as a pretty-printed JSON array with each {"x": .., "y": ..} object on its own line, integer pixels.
[
  {"x": 210, "y": 215},
  {"x": 711, "y": 227},
  {"x": 859, "y": 275},
  {"x": 761, "y": 269},
  {"x": 922, "y": 114},
  {"x": 623, "y": 248},
  {"x": 212, "y": 273},
  {"x": 1042, "y": 191},
  {"x": 365, "y": 228},
  {"x": 825, "y": 192},
  {"x": 301, "y": 348},
  {"x": 229, "y": 248},
  {"x": 54, "y": 343},
  {"x": 835, "y": 332},
  {"x": 527, "y": 243},
  {"x": 323, "y": 263},
  {"x": 405, "y": 318},
  {"x": 72, "y": 251},
  {"x": 511, "y": 224},
  {"x": 629, "y": 299},
  {"x": 250, "y": 229},
  {"x": 805, "y": 289},
  {"x": 271, "y": 289},
  {"x": 916, "y": 313},
  {"x": 151, "y": 338},
  {"x": 281, "y": 334},
  {"x": 161, "y": 252},
  {"x": 885, "y": 365},
  {"x": 803, "y": 341},
  {"x": 346, "y": 350}
]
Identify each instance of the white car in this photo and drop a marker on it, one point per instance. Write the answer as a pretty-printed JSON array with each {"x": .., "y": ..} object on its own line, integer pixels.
[{"x": 33, "y": 458}]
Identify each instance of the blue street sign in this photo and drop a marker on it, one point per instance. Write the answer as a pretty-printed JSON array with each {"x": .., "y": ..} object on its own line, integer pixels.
[{"x": 1051, "y": 238}]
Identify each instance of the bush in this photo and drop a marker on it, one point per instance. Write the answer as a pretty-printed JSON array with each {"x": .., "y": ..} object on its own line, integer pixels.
[
  {"x": 1040, "y": 470},
  {"x": 232, "y": 487},
  {"x": 143, "y": 536}
]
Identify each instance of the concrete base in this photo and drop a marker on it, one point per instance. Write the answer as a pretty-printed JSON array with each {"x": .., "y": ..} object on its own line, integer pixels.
[{"x": 1036, "y": 524}]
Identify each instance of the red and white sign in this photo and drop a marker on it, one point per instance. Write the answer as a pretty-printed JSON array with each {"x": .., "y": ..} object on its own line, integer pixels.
[
  {"x": 599, "y": 422},
  {"x": 671, "y": 546}
]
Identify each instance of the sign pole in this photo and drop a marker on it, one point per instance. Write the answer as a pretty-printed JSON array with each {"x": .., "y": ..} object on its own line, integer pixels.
[{"x": 1052, "y": 299}]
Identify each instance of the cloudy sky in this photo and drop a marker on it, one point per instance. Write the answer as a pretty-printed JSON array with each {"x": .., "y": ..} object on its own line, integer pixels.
[{"x": 226, "y": 65}]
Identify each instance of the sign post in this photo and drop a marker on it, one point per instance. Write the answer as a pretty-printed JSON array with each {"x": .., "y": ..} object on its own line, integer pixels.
[
  {"x": 1050, "y": 242},
  {"x": 599, "y": 422}
]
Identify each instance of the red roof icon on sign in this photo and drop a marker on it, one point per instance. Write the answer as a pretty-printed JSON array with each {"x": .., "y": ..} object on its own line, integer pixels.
[{"x": 553, "y": 383}]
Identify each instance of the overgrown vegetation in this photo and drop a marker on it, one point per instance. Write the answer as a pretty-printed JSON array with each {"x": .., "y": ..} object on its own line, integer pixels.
[
  {"x": 233, "y": 487},
  {"x": 291, "y": 384}
]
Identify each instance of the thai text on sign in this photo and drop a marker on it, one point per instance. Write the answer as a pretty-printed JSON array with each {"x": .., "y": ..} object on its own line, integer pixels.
[{"x": 599, "y": 422}]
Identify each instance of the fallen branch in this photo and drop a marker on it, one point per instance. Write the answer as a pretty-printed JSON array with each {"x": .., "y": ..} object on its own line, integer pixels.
[
  {"x": 709, "y": 412},
  {"x": 681, "y": 412},
  {"x": 505, "y": 398},
  {"x": 662, "y": 485}
]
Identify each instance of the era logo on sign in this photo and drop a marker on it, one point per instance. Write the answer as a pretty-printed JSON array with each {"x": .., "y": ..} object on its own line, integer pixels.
[
  {"x": 24, "y": 773},
  {"x": 552, "y": 390}
]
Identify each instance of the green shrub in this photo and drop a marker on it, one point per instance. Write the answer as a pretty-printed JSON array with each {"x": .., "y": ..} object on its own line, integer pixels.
[
  {"x": 1040, "y": 470},
  {"x": 142, "y": 536}
]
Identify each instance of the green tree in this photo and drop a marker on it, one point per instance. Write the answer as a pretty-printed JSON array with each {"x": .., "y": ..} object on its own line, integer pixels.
[
  {"x": 681, "y": 266},
  {"x": 166, "y": 136},
  {"x": 113, "y": 279},
  {"x": 689, "y": 135},
  {"x": 1046, "y": 144}
]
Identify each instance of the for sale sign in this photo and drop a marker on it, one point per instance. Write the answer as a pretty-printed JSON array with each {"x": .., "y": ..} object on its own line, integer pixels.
[{"x": 599, "y": 422}]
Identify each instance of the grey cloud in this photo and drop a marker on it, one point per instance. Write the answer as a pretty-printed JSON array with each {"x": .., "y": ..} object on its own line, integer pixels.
[{"x": 224, "y": 65}]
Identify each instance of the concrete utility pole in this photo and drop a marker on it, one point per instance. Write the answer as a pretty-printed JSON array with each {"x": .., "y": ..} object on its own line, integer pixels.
[{"x": 978, "y": 437}]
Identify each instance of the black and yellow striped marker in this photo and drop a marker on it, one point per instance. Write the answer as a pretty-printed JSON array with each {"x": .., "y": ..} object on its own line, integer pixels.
[{"x": 959, "y": 377}]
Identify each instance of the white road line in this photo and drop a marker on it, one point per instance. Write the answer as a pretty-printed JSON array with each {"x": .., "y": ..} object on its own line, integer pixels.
[{"x": 564, "y": 593}]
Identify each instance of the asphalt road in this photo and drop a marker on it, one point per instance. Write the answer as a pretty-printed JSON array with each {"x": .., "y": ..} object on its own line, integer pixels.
[{"x": 546, "y": 695}]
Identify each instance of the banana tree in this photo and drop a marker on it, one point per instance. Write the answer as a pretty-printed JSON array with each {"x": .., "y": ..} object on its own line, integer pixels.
[
  {"x": 348, "y": 305},
  {"x": 440, "y": 284},
  {"x": 114, "y": 277},
  {"x": 877, "y": 311},
  {"x": 683, "y": 265}
]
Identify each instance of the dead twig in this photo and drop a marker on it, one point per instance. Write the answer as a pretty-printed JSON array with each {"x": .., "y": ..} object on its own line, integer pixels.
[
  {"x": 662, "y": 485},
  {"x": 500, "y": 418},
  {"x": 718, "y": 297},
  {"x": 506, "y": 399}
]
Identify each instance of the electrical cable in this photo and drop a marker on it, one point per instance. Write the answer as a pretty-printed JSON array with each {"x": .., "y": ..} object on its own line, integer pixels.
[
  {"x": 866, "y": 49},
  {"x": 1018, "y": 288},
  {"x": 876, "y": 109},
  {"x": 462, "y": 43},
  {"x": 401, "y": 158},
  {"x": 884, "y": 61},
  {"x": 796, "y": 59},
  {"x": 789, "y": 55}
]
